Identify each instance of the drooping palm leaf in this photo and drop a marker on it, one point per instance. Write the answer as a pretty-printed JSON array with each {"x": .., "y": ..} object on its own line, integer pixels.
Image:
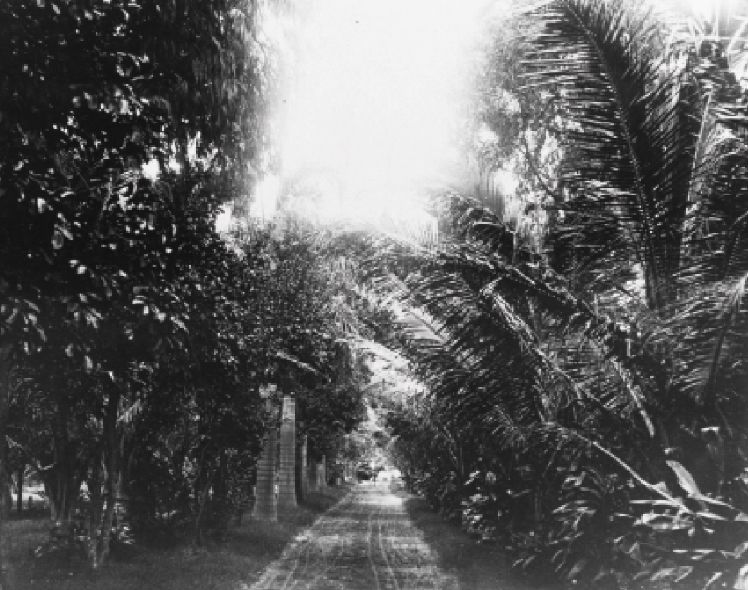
[
  {"x": 628, "y": 133},
  {"x": 655, "y": 174}
]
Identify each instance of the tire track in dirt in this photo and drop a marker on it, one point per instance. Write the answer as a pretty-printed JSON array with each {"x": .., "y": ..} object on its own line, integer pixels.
[
  {"x": 370, "y": 551},
  {"x": 365, "y": 542},
  {"x": 387, "y": 563}
]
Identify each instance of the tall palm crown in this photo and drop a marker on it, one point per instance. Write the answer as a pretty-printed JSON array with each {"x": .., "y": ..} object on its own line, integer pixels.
[
  {"x": 626, "y": 337},
  {"x": 653, "y": 175}
]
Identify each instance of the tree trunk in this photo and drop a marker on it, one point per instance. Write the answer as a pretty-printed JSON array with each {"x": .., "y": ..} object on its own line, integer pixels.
[
  {"x": 62, "y": 489},
  {"x": 62, "y": 482},
  {"x": 221, "y": 513},
  {"x": 5, "y": 363},
  {"x": 202, "y": 501},
  {"x": 103, "y": 487},
  {"x": 96, "y": 505},
  {"x": 108, "y": 522},
  {"x": 111, "y": 481},
  {"x": 202, "y": 491},
  {"x": 182, "y": 501}
]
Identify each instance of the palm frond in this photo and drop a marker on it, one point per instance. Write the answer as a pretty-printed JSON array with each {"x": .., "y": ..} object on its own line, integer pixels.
[{"x": 629, "y": 132}]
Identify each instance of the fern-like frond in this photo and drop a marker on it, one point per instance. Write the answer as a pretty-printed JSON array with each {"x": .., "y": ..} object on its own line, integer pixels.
[{"x": 629, "y": 128}]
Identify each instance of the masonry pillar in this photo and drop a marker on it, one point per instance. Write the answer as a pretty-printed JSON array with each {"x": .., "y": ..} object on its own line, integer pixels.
[
  {"x": 266, "y": 504},
  {"x": 349, "y": 471},
  {"x": 287, "y": 472},
  {"x": 322, "y": 473},
  {"x": 311, "y": 476},
  {"x": 302, "y": 469}
]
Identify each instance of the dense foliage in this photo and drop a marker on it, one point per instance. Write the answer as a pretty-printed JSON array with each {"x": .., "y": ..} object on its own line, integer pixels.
[
  {"x": 585, "y": 348},
  {"x": 134, "y": 339},
  {"x": 582, "y": 339}
]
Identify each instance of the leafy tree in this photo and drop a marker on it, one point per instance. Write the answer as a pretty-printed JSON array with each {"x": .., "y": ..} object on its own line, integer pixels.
[
  {"x": 92, "y": 94},
  {"x": 304, "y": 319}
]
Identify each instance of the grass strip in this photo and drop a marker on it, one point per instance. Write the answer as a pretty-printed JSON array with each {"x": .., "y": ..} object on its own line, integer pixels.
[{"x": 232, "y": 564}]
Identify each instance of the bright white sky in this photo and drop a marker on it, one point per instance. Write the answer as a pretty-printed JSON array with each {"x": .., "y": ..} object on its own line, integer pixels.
[{"x": 377, "y": 96}]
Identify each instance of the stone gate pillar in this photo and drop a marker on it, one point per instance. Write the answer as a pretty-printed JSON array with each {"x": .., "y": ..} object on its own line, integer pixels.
[
  {"x": 322, "y": 473},
  {"x": 287, "y": 472},
  {"x": 311, "y": 476},
  {"x": 301, "y": 471},
  {"x": 266, "y": 505}
]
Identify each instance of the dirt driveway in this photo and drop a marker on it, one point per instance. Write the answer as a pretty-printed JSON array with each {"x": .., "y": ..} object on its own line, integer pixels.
[{"x": 365, "y": 542}]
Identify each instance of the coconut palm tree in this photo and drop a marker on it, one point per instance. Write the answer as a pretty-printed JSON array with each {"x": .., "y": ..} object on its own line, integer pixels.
[
  {"x": 652, "y": 190},
  {"x": 621, "y": 348}
]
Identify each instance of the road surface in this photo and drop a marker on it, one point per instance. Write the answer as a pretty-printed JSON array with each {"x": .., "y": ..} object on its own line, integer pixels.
[{"x": 365, "y": 542}]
